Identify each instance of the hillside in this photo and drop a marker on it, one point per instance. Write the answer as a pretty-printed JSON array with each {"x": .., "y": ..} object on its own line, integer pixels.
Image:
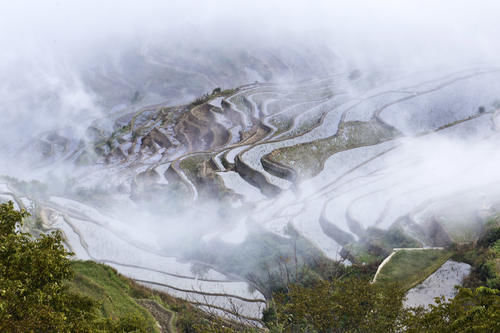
[
  {"x": 270, "y": 177},
  {"x": 249, "y": 166}
]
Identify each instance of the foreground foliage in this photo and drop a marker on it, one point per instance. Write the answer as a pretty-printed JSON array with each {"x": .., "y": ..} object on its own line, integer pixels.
[
  {"x": 33, "y": 294},
  {"x": 470, "y": 311},
  {"x": 41, "y": 290},
  {"x": 112, "y": 293},
  {"x": 353, "y": 305},
  {"x": 484, "y": 257},
  {"x": 347, "y": 305}
]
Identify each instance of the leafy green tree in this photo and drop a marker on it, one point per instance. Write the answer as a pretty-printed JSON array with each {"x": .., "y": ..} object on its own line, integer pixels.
[
  {"x": 346, "y": 305},
  {"x": 33, "y": 297},
  {"x": 472, "y": 310}
]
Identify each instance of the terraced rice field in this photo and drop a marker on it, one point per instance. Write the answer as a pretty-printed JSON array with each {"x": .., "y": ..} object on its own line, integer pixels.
[{"x": 329, "y": 158}]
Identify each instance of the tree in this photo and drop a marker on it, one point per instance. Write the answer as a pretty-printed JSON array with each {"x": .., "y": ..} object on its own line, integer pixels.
[
  {"x": 342, "y": 305},
  {"x": 472, "y": 310},
  {"x": 33, "y": 296},
  {"x": 354, "y": 305}
]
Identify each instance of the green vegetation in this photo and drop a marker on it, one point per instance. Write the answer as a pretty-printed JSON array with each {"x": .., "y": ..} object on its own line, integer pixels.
[
  {"x": 41, "y": 290},
  {"x": 484, "y": 257},
  {"x": 282, "y": 122},
  {"x": 361, "y": 253},
  {"x": 340, "y": 305},
  {"x": 409, "y": 268},
  {"x": 192, "y": 165},
  {"x": 472, "y": 310},
  {"x": 355, "y": 305},
  {"x": 119, "y": 297},
  {"x": 311, "y": 122},
  {"x": 33, "y": 294},
  {"x": 209, "y": 184},
  {"x": 376, "y": 244},
  {"x": 271, "y": 262},
  {"x": 217, "y": 92},
  {"x": 308, "y": 158},
  {"x": 349, "y": 303},
  {"x": 389, "y": 239},
  {"x": 111, "y": 142},
  {"x": 462, "y": 230},
  {"x": 111, "y": 291}
]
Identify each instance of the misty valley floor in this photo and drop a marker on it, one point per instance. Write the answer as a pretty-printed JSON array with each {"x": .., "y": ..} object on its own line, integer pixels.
[{"x": 207, "y": 200}]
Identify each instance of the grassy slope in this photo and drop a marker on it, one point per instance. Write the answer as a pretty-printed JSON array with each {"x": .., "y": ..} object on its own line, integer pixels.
[
  {"x": 121, "y": 296},
  {"x": 411, "y": 267},
  {"x": 111, "y": 290}
]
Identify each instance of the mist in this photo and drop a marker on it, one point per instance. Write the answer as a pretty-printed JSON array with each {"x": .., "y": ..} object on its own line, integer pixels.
[
  {"x": 52, "y": 47},
  {"x": 419, "y": 79}
]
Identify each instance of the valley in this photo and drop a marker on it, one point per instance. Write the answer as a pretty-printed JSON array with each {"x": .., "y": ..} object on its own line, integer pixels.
[{"x": 207, "y": 201}]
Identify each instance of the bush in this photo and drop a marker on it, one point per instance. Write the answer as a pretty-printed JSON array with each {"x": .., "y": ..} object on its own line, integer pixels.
[
  {"x": 32, "y": 271},
  {"x": 34, "y": 294},
  {"x": 490, "y": 236},
  {"x": 347, "y": 305}
]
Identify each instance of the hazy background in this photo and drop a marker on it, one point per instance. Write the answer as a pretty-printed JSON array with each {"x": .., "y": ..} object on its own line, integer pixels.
[
  {"x": 49, "y": 46},
  {"x": 66, "y": 63}
]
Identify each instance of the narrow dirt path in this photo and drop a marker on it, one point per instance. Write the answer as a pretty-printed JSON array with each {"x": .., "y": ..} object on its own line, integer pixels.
[{"x": 163, "y": 316}]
